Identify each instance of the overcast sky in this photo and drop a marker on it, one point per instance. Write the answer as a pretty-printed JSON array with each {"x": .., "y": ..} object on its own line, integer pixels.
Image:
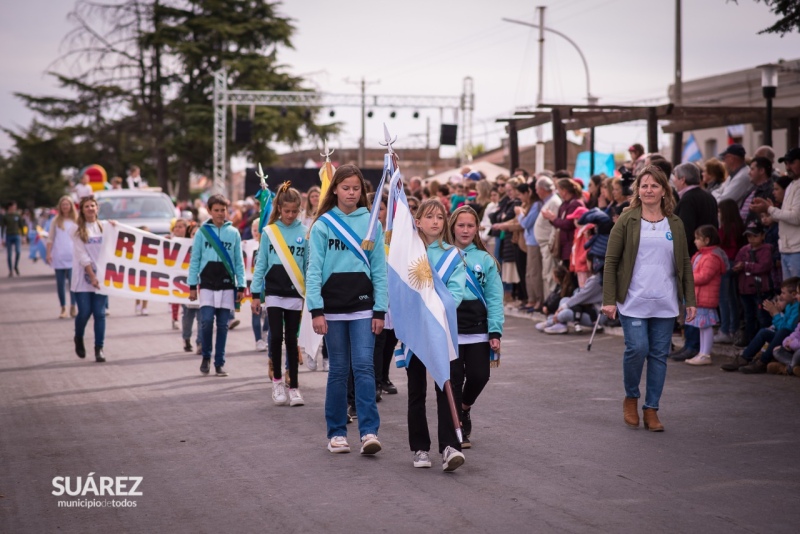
[{"x": 418, "y": 47}]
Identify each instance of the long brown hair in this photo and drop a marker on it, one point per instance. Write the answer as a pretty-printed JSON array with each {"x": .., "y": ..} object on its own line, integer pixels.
[
  {"x": 426, "y": 207},
  {"x": 327, "y": 203},
  {"x": 71, "y": 216},
  {"x": 667, "y": 201},
  {"x": 476, "y": 239},
  {"x": 286, "y": 193},
  {"x": 308, "y": 208},
  {"x": 731, "y": 224},
  {"x": 83, "y": 234}
]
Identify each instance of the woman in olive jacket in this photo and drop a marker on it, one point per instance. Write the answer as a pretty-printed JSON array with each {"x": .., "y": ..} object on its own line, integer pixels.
[{"x": 647, "y": 277}]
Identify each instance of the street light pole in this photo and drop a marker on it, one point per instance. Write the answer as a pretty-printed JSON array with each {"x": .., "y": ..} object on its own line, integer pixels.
[{"x": 769, "y": 88}]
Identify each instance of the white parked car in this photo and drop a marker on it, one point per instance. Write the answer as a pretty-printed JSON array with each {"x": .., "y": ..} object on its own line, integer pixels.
[{"x": 138, "y": 208}]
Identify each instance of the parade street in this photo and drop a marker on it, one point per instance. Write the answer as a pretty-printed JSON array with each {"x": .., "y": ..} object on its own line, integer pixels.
[{"x": 550, "y": 450}]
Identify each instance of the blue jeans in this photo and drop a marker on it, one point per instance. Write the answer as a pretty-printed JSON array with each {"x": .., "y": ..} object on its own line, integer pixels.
[
  {"x": 728, "y": 304},
  {"x": 187, "y": 323},
  {"x": 790, "y": 265},
  {"x": 14, "y": 241},
  {"x": 646, "y": 339},
  {"x": 351, "y": 343},
  {"x": 207, "y": 315},
  {"x": 258, "y": 328},
  {"x": 765, "y": 335},
  {"x": 63, "y": 278},
  {"x": 91, "y": 304}
]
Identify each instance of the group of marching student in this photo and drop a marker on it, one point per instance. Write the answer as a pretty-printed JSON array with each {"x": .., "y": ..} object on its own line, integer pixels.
[{"x": 346, "y": 291}]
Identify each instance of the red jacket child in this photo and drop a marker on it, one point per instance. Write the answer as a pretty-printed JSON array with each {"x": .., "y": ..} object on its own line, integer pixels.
[{"x": 708, "y": 266}]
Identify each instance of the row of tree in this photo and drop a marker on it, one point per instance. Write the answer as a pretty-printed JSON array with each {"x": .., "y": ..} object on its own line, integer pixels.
[{"x": 139, "y": 74}]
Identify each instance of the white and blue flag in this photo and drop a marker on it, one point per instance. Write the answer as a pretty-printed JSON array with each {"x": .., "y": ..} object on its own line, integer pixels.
[
  {"x": 423, "y": 311},
  {"x": 691, "y": 151}
]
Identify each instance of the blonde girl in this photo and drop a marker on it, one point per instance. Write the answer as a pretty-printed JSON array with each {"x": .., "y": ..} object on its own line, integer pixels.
[{"x": 59, "y": 253}]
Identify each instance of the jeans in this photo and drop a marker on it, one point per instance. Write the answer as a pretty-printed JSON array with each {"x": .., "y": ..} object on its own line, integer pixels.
[
  {"x": 754, "y": 316},
  {"x": 790, "y": 264},
  {"x": 14, "y": 241},
  {"x": 646, "y": 339},
  {"x": 187, "y": 322},
  {"x": 728, "y": 304},
  {"x": 258, "y": 328},
  {"x": 350, "y": 343},
  {"x": 91, "y": 304},
  {"x": 207, "y": 315},
  {"x": 691, "y": 336},
  {"x": 64, "y": 277},
  {"x": 765, "y": 335}
]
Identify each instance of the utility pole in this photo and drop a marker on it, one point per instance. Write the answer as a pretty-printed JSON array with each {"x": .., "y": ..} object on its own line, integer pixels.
[
  {"x": 427, "y": 144},
  {"x": 539, "y": 97},
  {"x": 677, "y": 97},
  {"x": 361, "y": 150}
]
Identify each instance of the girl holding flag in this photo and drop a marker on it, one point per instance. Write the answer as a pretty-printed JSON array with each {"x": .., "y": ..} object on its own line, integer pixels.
[
  {"x": 431, "y": 221},
  {"x": 282, "y": 259},
  {"x": 480, "y": 315},
  {"x": 346, "y": 293}
]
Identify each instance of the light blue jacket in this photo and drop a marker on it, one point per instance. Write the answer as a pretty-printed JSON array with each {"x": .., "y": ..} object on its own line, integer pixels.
[
  {"x": 485, "y": 268},
  {"x": 457, "y": 282},
  {"x": 336, "y": 280},
  {"x": 787, "y": 319},
  {"x": 527, "y": 221},
  {"x": 206, "y": 268},
  {"x": 267, "y": 260}
]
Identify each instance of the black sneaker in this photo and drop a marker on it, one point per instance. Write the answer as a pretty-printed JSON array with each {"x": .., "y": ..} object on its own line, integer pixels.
[
  {"x": 98, "y": 355},
  {"x": 205, "y": 367},
  {"x": 735, "y": 365},
  {"x": 378, "y": 395},
  {"x": 466, "y": 423},
  {"x": 220, "y": 371},
  {"x": 685, "y": 355},
  {"x": 466, "y": 443},
  {"x": 187, "y": 346},
  {"x": 80, "y": 349},
  {"x": 351, "y": 412},
  {"x": 388, "y": 387}
]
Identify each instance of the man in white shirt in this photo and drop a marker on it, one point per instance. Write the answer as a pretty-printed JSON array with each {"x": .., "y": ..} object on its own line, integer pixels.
[
  {"x": 543, "y": 230},
  {"x": 737, "y": 186}
]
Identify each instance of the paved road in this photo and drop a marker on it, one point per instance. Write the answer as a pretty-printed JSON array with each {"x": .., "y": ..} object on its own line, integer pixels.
[{"x": 551, "y": 453}]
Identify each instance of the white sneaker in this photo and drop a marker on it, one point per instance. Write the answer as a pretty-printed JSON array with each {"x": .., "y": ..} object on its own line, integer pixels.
[
  {"x": 338, "y": 444},
  {"x": 174, "y": 325},
  {"x": 370, "y": 444},
  {"x": 311, "y": 363},
  {"x": 722, "y": 337},
  {"x": 138, "y": 309},
  {"x": 295, "y": 398},
  {"x": 558, "y": 328},
  {"x": 541, "y": 326},
  {"x": 451, "y": 459},
  {"x": 279, "y": 392},
  {"x": 261, "y": 345},
  {"x": 324, "y": 364},
  {"x": 578, "y": 328},
  {"x": 144, "y": 311},
  {"x": 700, "y": 359},
  {"x": 422, "y": 459}
]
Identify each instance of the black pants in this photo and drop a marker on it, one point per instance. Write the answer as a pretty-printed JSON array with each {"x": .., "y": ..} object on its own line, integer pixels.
[
  {"x": 384, "y": 354},
  {"x": 474, "y": 360},
  {"x": 522, "y": 266},
  {"x": 419, "y": 439},
  {"x": 278, "y": 317}
]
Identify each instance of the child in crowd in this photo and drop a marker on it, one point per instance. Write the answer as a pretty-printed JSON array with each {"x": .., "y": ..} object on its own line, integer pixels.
[
  {"x": 784, "y": 312},
  {"x": 753, "y": 265},
  {"x": 280, "y": 274},
  {"x": 431, "y": 220},
  {"x": 191, "y": 311},
  {"x": 577, "y": 260},
  {"x": 346, "y": 292},
  {"x": 709, "y": 264},
  {"x": 260, "y": 314},
  {"x": 480, "y": 315},
  {"x": 179, "y": 228},
  {"x": 217, "y": 269},
  {"x": 787, "y": 357},
  {"x": 141, "y": 305},
  {"x": 565, "y": 287},
  {"x": 771, "y": 238}
]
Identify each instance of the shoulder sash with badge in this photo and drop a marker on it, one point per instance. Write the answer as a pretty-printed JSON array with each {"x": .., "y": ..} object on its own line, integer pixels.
[
  {"x": 345, "y": 234},
  {"x": 218, "y": 247},
  {"x": 287, "y": 258}
]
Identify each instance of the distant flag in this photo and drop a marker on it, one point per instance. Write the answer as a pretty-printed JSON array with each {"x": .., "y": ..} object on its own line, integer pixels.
[
  {"x": 423, "y": 311},
  {"x": 325, "y": 171},
  {"x": 264, "y": 197},
  {"x": 691, "y": 152},
  {"x": 734, "y": 132}
]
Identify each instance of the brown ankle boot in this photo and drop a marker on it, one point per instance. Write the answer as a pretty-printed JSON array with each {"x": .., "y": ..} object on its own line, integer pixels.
[
  {"x": 651, "y": 421},
  {"x": 630, "y": 411}
]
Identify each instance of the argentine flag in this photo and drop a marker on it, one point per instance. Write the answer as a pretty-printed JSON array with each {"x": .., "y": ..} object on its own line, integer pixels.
[
  {"x": 691, "y": 152},
  {"x": 423, "y": 311}
]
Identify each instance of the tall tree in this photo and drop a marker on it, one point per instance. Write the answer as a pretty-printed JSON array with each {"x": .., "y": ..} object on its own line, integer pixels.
[{"x": 788, "y": 13}]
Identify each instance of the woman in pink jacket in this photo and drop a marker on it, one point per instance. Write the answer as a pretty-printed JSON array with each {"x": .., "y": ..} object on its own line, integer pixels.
[{"x": 708, "y": 265}]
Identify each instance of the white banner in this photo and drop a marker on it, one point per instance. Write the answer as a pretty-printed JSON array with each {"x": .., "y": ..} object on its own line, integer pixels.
[{"x": 139, "y": 265}]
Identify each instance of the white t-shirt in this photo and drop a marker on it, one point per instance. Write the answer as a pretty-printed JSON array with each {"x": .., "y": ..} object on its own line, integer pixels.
[
  {"x": 653, "y": 291},
  {"x": 61, "y": 239},
  {"x": 82, "y": 190},
  {"x": 85, "y": 254}
]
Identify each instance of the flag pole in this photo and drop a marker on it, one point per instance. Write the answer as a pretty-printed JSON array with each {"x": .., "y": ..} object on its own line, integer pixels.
[{"x": 448, "y": 390}]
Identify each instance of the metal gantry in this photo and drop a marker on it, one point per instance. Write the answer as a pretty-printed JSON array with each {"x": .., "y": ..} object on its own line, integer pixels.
[{"x": 224, "y": 97}]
